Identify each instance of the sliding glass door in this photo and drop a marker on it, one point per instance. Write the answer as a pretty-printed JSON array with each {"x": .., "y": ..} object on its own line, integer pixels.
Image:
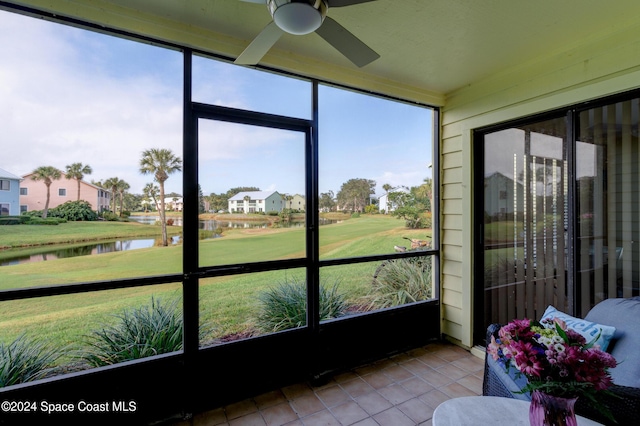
[
  {"x": 525, "y": 192},
  {"x": 560, "y": 209}
]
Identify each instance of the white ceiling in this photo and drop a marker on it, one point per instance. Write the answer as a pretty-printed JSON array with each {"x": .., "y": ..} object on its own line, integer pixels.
[{"x": 438, "y": 46}]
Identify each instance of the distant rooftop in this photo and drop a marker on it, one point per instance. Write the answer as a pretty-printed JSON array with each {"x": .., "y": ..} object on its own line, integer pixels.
[{"x": 5, "y": 174}]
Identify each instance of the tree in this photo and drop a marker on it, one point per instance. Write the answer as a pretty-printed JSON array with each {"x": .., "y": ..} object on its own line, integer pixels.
[
  {"x": 424, "y": 192},
  {"x": 387, "y": 188},
  {"x": 47, "y": 174},
  {"x": 354, "y": 194},
  {"x": 77, "y": 171},
  {"x": 233, "y": 191},
  {"x": 201, "y": 201},
  {"x": 151, "y": 192},
  {"x": 112, "y": 185},
  {"x": 326, "y": 202},
  {"x": 160, "y": 163},
  {"x": 122, "y": 187}
]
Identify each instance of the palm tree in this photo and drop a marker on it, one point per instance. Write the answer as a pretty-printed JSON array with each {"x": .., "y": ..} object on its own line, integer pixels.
[
  {"x": 112, "y": 185},
  {"x": 47, "y": 174},
  {"x": 77, "y": 171},
  {"x": 387, "y": 187},
  {"x": 151, "y": 191},
  {"x": 122, "y": 188},
  {"x": 161, "y": 163}
]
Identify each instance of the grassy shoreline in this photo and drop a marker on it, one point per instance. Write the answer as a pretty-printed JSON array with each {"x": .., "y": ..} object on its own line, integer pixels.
[
  {"x": 20, "y": 236},
  {"x": 227, "y": 303}
]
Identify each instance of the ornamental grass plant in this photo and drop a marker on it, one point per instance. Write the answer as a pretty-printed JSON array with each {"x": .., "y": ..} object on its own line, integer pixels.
[
  {"x": 138, "y": 333},
  {"x": 401, "y": 281},
  {"x": 285, "y": 306},
  {"x": 25, "y": 359}
]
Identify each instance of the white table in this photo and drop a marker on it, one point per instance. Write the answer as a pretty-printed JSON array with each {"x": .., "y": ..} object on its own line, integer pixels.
[{"x": 487, "y": 410}]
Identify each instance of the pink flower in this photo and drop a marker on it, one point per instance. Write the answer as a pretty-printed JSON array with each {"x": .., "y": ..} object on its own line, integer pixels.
[{"x": 552, "y": 357}]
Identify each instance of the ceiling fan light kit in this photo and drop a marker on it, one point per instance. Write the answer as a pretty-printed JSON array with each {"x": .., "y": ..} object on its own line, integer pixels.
[{"x": 298, "y": 17}]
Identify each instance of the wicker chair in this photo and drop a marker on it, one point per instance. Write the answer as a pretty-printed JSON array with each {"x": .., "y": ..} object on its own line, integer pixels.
[{"x": 624, "y": 405}]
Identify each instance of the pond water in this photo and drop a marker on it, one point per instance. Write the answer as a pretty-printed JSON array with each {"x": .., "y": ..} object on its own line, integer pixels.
[{"x": 61, "y": 251}]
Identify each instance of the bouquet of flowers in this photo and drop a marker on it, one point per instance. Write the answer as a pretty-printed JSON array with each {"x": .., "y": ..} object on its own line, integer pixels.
[{"x": 556, "y": 361}]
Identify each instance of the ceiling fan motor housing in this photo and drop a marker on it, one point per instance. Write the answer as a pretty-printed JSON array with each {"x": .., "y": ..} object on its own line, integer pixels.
[{"x": 298, "y": 16}]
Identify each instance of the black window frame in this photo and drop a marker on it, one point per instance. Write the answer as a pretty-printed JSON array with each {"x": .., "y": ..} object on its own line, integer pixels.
[
  {"x": 320, "y": 343},
  {"x": 571, "y": 115}
]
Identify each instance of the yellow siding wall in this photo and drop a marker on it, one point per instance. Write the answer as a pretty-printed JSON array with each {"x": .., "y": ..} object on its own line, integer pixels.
[{"x": 591, "y": 70}]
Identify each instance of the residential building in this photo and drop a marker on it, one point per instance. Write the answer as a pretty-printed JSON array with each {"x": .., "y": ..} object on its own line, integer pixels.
[
  {"x": 173, "y": 204},
  {"x": 256, "y": 202},
  {"x": 296, "y": 202},
  {"x": 33, "y": 194},
  {"x": 9, "y": 194}
]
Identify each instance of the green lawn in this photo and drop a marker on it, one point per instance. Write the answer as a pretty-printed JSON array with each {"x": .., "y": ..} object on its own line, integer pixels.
[
  {"x": 74, "y": 232},
  {"x": 227, "y": 304}
]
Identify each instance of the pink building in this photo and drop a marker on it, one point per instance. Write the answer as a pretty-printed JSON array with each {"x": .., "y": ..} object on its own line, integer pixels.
[{"x": 33, "y": 194}]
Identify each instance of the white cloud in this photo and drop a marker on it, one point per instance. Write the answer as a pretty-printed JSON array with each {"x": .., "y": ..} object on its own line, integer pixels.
[{"x": 58, "y": 108}]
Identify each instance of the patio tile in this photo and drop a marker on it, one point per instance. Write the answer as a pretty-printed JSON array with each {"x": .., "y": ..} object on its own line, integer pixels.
[
  {"x": 416, "y": 386},
  {"x": 322, "y": 418},
  {"x": 240, "y": 409},
  {"x": 367, "y": 422},
  {"x": 349, "y": 413},
  {"x": 210, "y": 418},
  {"x": 432, "y": 360},
  {"x": 416, "y": 410},
  {"x": 280, "y": 414},
  {"x": 400, "y": 390},
  {"x": 395, "y": 394},
  {"x": 434, "y": 398},
  {"x": 253, "y": 419},
  {"x": 397, "y": 373},
  {"x": 269, "y": 398},
  {"x": 297, "y": 390},
  {"x": 472, "y": 383},
  {"x": 357, "y": 387},
  {"x": 378, "y": 379},
  {"x": 470, "y": 363},
  {"x": 307, "y": 404},
  {"x": 452, "y": 371},
  {"x": 373, "y": 403},
  {"x": 333, "y": 396},
  {"x": 436, "y": 379},
  {"x": 416, "y": 366},
  {"x": 456, "y": 390},
  {"x": 393, "y": 416}
]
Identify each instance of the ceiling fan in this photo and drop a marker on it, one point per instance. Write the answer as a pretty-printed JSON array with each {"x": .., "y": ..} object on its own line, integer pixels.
[{"x": 303, "y": 17}]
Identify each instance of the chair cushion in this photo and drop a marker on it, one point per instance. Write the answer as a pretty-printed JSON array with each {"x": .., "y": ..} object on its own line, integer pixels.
[
  {"x": 589, "y": 329},
  {"x": 624, "y": 315}
]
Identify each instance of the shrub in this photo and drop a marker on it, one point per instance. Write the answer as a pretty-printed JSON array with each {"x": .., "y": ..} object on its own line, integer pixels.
[
  {"x": 169, "y": 222},
  {"x": 285, "y": 306},
  {"x": 110, "y": 216},
  {"x": 47, "y": 221},
  {"x": 74, "y": 211},
  {"x": 24, "y": 360},
  {"x": 401, "y": 281},
  {"x": 10, "y": 220},
  {"x": 149, "y": 330}
]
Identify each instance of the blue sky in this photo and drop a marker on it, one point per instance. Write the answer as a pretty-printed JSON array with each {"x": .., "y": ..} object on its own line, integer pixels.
[{"x": 68, "y": 95}]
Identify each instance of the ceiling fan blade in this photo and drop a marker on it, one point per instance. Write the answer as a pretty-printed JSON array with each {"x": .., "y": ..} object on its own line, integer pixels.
[
  {"x": 260, "y": 45},
  {"x": 346, "y": 43},
  {"x": 341, "y": 3}
]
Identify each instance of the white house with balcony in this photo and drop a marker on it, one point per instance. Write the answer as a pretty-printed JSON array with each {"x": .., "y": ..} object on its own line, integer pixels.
[{"x": 256, "y": 201}]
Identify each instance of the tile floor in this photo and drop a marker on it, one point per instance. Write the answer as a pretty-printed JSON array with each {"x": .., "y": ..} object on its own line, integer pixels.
[{"x": 396, "y": 391}]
